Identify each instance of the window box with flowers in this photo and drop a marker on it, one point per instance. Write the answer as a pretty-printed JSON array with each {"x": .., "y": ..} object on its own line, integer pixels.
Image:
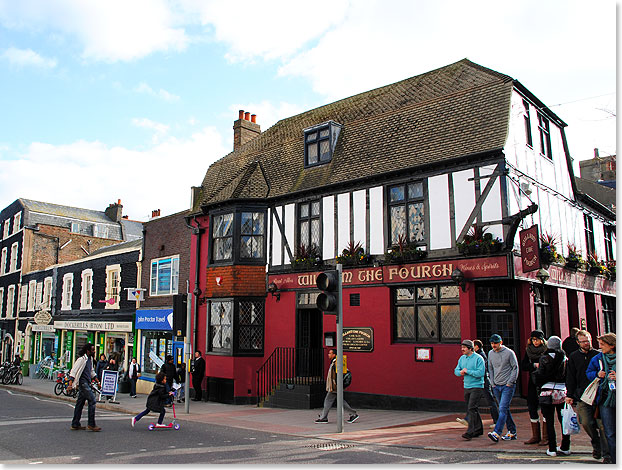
[
  {"x": 548, "y": 250},
  {"x": 403, "y": 252},
  {"x": 354, "y": 255},
  {"x": 478, "y": 242},
  {"x": 610, "y": 273},
  {"x": 574, "y": 260},
  {"x": 594, "y": 266},
  {"x": 307, "y": 257}
]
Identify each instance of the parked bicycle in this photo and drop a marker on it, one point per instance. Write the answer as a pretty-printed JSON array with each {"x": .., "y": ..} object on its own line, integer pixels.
[{"x": 13, "y": 375}]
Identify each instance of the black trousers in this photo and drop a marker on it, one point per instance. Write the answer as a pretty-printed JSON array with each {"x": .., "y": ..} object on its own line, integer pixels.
[
  {"x": 549, "y": 411},
  {"x": 472, "y": 397},
  {"x": 197, "y": 382}
]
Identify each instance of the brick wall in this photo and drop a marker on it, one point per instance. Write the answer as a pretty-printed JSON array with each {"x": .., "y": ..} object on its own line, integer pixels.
[{"x": 235, "y": 281}]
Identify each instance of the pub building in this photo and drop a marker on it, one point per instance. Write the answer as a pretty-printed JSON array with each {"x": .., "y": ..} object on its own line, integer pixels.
[{"x": 423, "y": 190}]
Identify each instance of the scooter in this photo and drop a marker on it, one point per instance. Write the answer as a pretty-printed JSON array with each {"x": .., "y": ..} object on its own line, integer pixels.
[{"x": 173, "y": 424}]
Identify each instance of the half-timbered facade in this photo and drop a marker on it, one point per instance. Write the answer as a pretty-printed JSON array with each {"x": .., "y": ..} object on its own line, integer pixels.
[{"x": 419, "y": 189}]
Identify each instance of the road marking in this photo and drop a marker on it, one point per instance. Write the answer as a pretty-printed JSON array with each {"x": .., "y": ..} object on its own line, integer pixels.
[
  {"x": 561, "y": 459},
  {"x": 64, "y": 419},
  {"x": 75, "y": 458},
  {"x": 34, "y": 463},
  {"x": 116, "y": 453}
]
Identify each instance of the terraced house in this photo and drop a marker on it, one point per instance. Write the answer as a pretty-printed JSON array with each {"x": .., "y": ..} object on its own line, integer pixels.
[
  {"x": 422, "y": 190},
  {"x": 36, "y": 235}
]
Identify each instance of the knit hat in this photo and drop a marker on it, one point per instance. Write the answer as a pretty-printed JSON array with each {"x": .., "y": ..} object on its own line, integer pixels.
[
  {"x": 554, "y": 342},
  {"x": 495, "y": 339},
  {"x": 468, "y": 343},
  {"x": 537, "y": 334}
]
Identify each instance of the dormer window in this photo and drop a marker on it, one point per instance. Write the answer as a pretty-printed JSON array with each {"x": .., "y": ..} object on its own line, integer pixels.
[{"x": 320, "y": 142}]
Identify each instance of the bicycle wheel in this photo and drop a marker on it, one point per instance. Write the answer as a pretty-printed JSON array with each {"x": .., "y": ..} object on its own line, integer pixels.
[
  {"x": 6, "y": 378},
  {"x": 58, "y": 389},
  {"x": 19, "y": 379}
]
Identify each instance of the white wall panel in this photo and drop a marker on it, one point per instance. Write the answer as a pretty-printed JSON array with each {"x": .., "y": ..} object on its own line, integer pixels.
[
  {"x": 491, "y": 208},
  {"x": 464, "y": 197},
  {"x": 360, "y": 212},
  {"x": 277, "y": 242},
  {"x": 376, "y": 217},
  {"x": 543, "y": 211},
  {"x": 289, "y": 222},
  {"x": 328, "y": 227},
  {"x": 599, "y": 239},
  {"x": 438, "y": 201},
  {"x": 343, "y": 217}
]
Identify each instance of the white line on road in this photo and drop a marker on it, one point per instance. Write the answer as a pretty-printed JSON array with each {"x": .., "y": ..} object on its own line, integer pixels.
[{"x": 116, "y": 453}]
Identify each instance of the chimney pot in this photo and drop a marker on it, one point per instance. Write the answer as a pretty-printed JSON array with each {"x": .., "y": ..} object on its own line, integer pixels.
[
  {"x": 253, "y": 117},
  {"x": 247, "y": 116},
  {"x": 119, "y": 201},
  {"x": 241, "y": 114}
]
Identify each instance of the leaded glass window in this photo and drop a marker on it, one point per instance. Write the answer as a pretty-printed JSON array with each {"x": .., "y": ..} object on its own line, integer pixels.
[
  {"x": 309, "y": 224},
  {"x": 222, "y": 236},
  {"x": 427, "y": 313},
  {"x": 407, "y": 213},
  {"x": 320, "y": 142},
  {"x": 251, "y": 326},
  {"x": 252, "y": 233},
  {"x": 220, "y": 325}
]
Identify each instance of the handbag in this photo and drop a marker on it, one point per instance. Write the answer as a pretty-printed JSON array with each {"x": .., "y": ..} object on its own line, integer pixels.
[
  {"x": 552, "y": 396},
  {"x": 569, "y": 420},
  {"x": 589, "y": 395}
]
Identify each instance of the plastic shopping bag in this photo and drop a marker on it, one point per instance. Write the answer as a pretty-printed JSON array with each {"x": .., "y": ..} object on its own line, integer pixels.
[{"x": 570, "y": 425}]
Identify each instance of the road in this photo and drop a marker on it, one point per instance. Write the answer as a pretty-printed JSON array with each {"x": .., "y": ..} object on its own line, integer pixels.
[{"x": 36, "y": 430}]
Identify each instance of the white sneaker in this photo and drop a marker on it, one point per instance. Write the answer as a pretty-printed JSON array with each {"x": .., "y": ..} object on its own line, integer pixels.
[
  {"x": 463, "y": 421},
  {"x": 563, "y": 452},
  {"x": 133, "y": 420},
  {"x": 551, "y": 453}
]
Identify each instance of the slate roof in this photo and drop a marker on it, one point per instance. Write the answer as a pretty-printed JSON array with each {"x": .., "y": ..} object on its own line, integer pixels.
[
  {"x": 457, "y": 110},
  {"x": 66, "y": 211},
  {"x": 601, "y": 194},
  {"x": 133, "y": 244}
]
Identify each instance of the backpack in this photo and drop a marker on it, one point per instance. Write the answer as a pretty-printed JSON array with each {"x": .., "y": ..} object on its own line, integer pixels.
[{"x": 347, "y": 379}]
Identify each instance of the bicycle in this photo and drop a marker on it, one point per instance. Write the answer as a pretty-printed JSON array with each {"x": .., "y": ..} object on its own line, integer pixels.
[{"x": 13, "y": 376}]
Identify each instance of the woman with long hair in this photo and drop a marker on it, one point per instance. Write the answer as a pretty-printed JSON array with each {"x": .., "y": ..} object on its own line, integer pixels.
[{"x": 536, "y": 347}]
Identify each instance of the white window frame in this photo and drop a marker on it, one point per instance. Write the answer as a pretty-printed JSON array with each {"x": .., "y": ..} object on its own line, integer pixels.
[
  {"x": 32, "y": 292},
  {"x": 14, "y": 253},
  {"x": 10, "y": 301},
  {"x": 38, "y": 296},
  {"x": 5, "y": 231},
  {"x": 67, "y": 291},
  {"x": 153, "y": 281},
  {"x": 75, "y": 227},
  {"x": 47, "y": 293},
  {"x": 100, "y": 231},
  {"x": 110, "y": 287},
  {"x": 86, "y": 291},
  {"x": 1, "y": 302},
  {"x": 3, "y": 262},
  {"x": 17, "y": 220},
  {"x": 22, "y": 298}
]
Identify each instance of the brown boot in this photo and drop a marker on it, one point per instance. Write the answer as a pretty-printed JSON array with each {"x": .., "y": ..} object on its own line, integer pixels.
[
  {"x": 535, "y": 431},
  {"x": 545, "y": 436}
]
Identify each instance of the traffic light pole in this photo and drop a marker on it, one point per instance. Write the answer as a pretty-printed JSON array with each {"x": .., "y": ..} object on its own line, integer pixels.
[
  {"x": 339, "y": 351},
  {"x": 187, "y": 348}
]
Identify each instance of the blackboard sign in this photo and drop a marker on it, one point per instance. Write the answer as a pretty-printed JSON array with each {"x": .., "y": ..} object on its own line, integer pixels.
[{"x": 358, "y": 339}]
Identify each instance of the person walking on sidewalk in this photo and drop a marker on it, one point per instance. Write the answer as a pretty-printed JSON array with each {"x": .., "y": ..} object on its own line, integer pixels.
[
  {"x": 492, "y": 403},
  {"x": 603, "y": 366},
  {"x": 331, "y": 392},
  {"x": 551, "y": 379},
  {"x": 156, "y": 399},
  {"x": 503, "y": 372},
  {"x": 536, "y": 346},
  {"x": 570, "y": 344},
  {"x": 169, "y": 369},
  {"x": 133, "y": 373},
  {"x": 198, "y": 372},
  {"x": 576, "y": 383},
  {"x": 471, "y": 368},
  {"x": 84, "y": 372}
]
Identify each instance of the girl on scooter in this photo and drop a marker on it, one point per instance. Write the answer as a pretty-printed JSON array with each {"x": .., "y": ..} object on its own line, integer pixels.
[{"x": 156, "y": 400}]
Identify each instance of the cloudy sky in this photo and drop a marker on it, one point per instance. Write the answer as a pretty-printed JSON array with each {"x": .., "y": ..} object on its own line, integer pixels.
[{"x": 132, "y": 100}]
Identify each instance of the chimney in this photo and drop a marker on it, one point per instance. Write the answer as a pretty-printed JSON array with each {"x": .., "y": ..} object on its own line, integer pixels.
[
  {"x": 155, "y": 213},
  {"x": 195, "y": 193},
  {"x": 115, "y": 211},
  {"x": 245, "y": 129},
  {"x": 595, "y": 153}
]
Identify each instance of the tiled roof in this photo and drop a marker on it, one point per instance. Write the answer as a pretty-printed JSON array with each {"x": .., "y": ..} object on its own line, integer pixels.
[
  {"x": 457, "y": 110},
  {"x": 123, "y": 246},
  {"x": 66, "y": 211}
]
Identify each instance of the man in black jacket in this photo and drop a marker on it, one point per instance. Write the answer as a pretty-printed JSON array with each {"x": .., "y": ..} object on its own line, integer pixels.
[
  {"x": 170, "y": 371},
  {"x": 198, "y": 372},
  {"x": 576, "y": 382}
]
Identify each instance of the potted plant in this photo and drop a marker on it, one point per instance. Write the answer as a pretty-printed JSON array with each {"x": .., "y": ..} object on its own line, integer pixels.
[
  {"x": 594, "y": 266},
  {"x": 611, "y": 270},
  {"x": 403, "y": 251},
  {"x": 548, "y": 250},
  {"x": 307, "y": 257},
  {"x": 477, "y": 242},
  {"x": 574, "y": 260},
  {"x": 353, "y": 255}
]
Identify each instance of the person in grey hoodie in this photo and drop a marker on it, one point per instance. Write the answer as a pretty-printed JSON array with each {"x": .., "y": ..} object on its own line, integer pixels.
[{"x": 503, "y": 373}]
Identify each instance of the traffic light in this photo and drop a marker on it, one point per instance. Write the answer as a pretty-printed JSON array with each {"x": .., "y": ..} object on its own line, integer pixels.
[
  {"x": 328, "y": 300},
  {"x": 179, "y": 314}
]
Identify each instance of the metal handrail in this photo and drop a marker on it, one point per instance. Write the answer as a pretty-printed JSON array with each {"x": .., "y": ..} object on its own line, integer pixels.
[{"x": 292, "y": 366}]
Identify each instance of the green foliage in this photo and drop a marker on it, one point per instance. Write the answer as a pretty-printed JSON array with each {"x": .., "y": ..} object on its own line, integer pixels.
[
  {"x": 478, "y": 242},
  {"x": 307, "y": 257},
  {"x": 404, "y": 251},
  {"x": 353, "y": 255}
]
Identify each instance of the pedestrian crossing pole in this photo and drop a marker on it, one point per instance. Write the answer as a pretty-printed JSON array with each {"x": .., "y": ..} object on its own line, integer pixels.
[
  {"x": 187, "y": 349},
  {"x": 339, "y": 350}
]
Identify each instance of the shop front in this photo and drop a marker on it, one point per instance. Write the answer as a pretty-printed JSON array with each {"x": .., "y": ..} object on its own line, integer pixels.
[
  {"x": 44, "y": 342},
  {"x": 154, "y": 328}
]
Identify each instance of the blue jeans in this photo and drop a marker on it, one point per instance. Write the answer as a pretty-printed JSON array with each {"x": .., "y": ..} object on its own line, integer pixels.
[
  {"x": 84, "y": 394},
  {"x": 608, "y": 415},
  {"x": 504, "y": 395}
]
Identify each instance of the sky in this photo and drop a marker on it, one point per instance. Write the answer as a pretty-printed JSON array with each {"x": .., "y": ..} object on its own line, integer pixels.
[{"x": 133, "y": 100}]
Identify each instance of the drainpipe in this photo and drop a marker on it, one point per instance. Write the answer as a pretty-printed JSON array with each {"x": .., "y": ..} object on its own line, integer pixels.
[{"x": 197, "y": 231}]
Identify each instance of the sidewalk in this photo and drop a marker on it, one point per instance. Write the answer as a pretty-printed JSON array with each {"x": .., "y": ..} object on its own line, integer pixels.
[{"x": 416, "y": 429}]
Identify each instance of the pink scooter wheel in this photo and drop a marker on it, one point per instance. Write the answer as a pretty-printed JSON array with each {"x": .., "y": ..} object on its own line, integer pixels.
[{"x": 177, "y": 426}]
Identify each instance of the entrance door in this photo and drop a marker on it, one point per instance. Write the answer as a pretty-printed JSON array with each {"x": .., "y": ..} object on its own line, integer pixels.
[
  {"x": 496, "y": 313},
  {"x": 308, "y": 342}
]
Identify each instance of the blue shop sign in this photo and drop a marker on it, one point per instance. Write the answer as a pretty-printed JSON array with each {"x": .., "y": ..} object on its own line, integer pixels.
[{"x": 154, "y": 319}]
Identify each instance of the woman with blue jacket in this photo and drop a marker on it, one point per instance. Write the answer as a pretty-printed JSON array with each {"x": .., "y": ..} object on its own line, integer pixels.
[{"x": 603, "y": 366}]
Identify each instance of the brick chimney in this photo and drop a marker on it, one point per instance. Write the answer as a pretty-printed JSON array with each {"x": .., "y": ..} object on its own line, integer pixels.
[
  {"x": 155, "y": 213},
  {"x": 245, "y": 129},
  {"x": 115, "y": 211}
]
